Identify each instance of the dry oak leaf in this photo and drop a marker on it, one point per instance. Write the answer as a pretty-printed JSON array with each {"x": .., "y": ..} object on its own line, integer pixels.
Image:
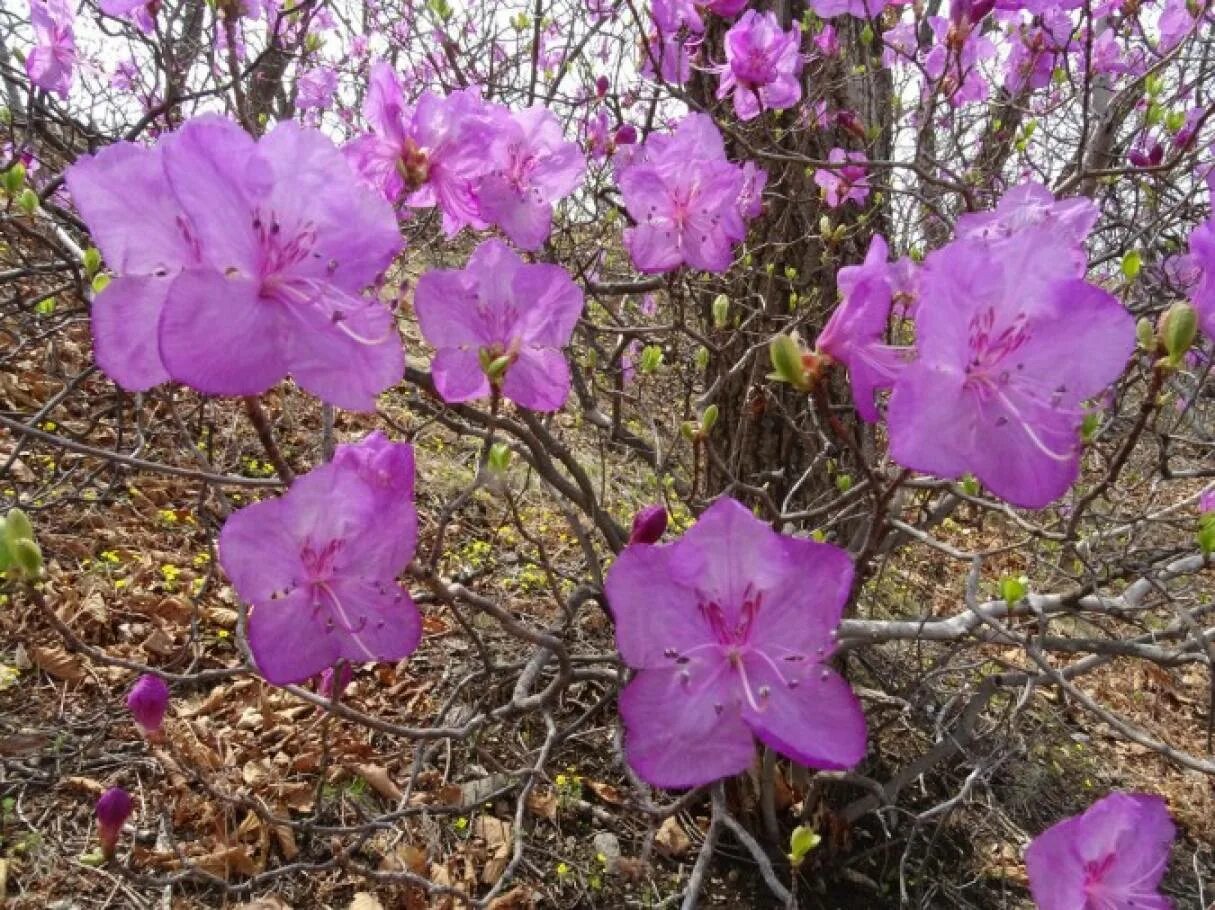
[
  {"x": 379, "y": 781},
  {"x": 264, "y": 903},
  {"x": 543, "y": 803},
  {"x": 57, "y": 662},
  {"x": 365, "y": 900}
]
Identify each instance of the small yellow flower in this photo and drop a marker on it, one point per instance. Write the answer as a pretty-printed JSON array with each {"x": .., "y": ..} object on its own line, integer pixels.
[
  {"x": 168, "y": 516},
  {"x": 563, "y": 869},
  {"x": 120, "y": 583},
  {"x": 223, "y": 634},
  {"x": 170, "y": 573},
  {"x": 201, "y": 559}
]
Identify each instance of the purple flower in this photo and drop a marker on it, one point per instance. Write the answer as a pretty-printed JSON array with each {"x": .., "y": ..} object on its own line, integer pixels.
[
  {"x": 500, "y": 322},
  {"x": 531, "y": 167},
  {"x": 845, "y": 182},
  {"x": 727, "y": 9},
  {"x": 1006, "y": 357},
  {"x": 315, "y": 88},
  {"x": 49, "y": 65},
  {"x": 240, "y": 262},
  {"x": 1176, "y": 22},
  {"x": 855, "y": 334},
  {"x": 147, "y": 701},
  {"x": 1110, "y": 857},
  {"x": 684, "y": 197},
  {"x": 114, "y": 807},
  {"x": 674, "y": 37},
  {"x": 431, "y": 154},
  {"x": 862, "y": 9},
  {"x": 728, "y": 630},
  {"x": 319, "y": 564},
  {"x": 140, "y": 12},
  {"x": 649, "y": 524},
  {"x": 1202, "y": 262},
  {"x": 1029, "y": 205},
  {"x": 762, "y": 65},
  {"x": 1206, "y": 501}
]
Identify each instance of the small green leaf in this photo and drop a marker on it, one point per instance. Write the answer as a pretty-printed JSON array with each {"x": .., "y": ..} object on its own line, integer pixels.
[
  {"x": 1013, "y": 590},
  {"x": 801, "y": 842},
  {"x": 1132, "y": 262}
]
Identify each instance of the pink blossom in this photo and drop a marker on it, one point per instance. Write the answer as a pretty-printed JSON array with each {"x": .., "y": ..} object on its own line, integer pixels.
[
  {"x": 49, "y": 65},
  {"x": 315, "y": 88},
  {"x": 762, "y": 65},
  {"x": 114, "y": 807},
  {"x": 147, "y": 701},
  {"x": 500, "y": 323},
  {"x": 319, "y": 564},
  {"x": 846, "y": 182},
  {"x": 238, "y": 262},
  {"x": 1112, "y": 856},
  {"x": 728, "y": 631},
  {"x": 683, "y": 195}
]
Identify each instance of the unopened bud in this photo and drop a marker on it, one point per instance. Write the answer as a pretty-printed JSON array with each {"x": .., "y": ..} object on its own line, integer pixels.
[
  {"x": 114, "y": 807},
  {"x": 499, "y": 458},
  {"x": 1178, "y": 329},
  {"x": 91, "y": 260},
  {"x": 787, "y": 364},
  {"x": 17, "y": 526},
  {"x": 28, "y": 201},
  {"x": 649, "y": 525},
  {"x": 1146, "y": 333},
  {"x": 709, "y": 418},
  {"x": 26, "y": 556},
  {"x": 721, "y": 311},
  {"x": 14, "y": 179}
]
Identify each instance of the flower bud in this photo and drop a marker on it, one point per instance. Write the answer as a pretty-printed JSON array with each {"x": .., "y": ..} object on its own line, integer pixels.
[
  {"x": 147, "y": 701},
  {"x": 1146, "y": 333},
  {"x": 499, "y": 458},
  {"x": 1138, "y": 158},
  {"x": 1013, "y": 590},
  {"x": 14, "y": 179},
  {"x": 332, "y": 685},
  {"x": 26, "y": 556},
  {"x": 114, "y": 807},
  {"x": 625, "y": 135},
  {"x": 92, "y": 261},
  {"x": 17, "y": 526},
  {"x": 601, "y": 86},
  {"x": 1178, "y": 329},
  {"x": 787, "y": 363},
  {"x": 709, "y": 418},
  {"x": 721, "y": 311},
  {"x": 649, "y": 525},
  {"x": 28, "y": 201}
]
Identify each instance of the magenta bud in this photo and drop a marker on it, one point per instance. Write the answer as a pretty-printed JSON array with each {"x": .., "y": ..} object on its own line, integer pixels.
[
  {"x": 113, "y": 809},
  {"x": 601, "y": 86},
  {"x": 649, "y": 525},
  {"x": 1156, "y": 155},
  {"x": 326, "y": 689},
  {"x": 148, "y": 700},
  {"x": 1138, "y": 158},
  {"x": 626, "y": 135}
]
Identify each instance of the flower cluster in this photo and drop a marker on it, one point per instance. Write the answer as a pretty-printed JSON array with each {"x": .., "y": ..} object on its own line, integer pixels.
[
  {"x": 690, "y": 204},
  {"x": 319, "y": 565},
  {"x": 478, "y": 162},
  {"x": 762, "y": 65},
  {"x": 238, "y": 262},
  {"x": 845, "y": 180},
  {"x": 500, "y": 323},
  {"x": 728, "y": 630},
  {"x": 994, "y": 387}
]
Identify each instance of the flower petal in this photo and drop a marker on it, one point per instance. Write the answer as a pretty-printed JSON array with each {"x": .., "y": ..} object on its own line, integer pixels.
[{"x": 124, "y": 320}]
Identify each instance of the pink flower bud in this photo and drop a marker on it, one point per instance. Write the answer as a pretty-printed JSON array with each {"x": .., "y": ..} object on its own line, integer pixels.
[
  {"x": 649, "y": 525},
  {"x": 148, "y": 700},
  {"x": 601, "y": 86},
  {"x": 1156, "y": 155},
  {"x": 326, "y": 689},
  {"x": 626, "y": 134},
  {"x": 1137, "y": 158},
  {"x": 113, "y": 809}
]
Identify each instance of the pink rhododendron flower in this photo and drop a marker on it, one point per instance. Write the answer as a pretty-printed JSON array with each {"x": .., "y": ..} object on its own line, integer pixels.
[
  {"x": 674, "y": 36},
  {"x": 500, "y": 321},
  {"x": 684, "y": 196},
  {"x": 331, "y": 685},
  {"x": 319, "y": 564},
  {"x": 728, "y": 630},
  {"x": 955, "y": 63},
  {"x": 1110, "y": 857},
  {"x": 855, "y": 335},
  {"x": 762, "y": 65},
  {"x": 1202, "y": 266},
  {"x": 49, "y": 65},
  {"x": 141, "y": 12},
  {"x": 727, "y": 9},
  {"x": 1206, "y": 501},
  {"x": 649, "y": 524},
  {"x": 114, "y": 807},
  {"x": 147, "y": 701},
  {"x": 315, "y": 88},
  {"x": 238, "y": 262},
  {"x": 862, "y": 9},
  {"x": 531, "y": 167},
  {"x": 430, "y": 154},
  {"x": 845, "y": 183},
  {"x": 1005, "y": 359}
]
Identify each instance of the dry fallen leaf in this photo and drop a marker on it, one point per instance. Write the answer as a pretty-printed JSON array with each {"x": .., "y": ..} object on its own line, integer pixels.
[
  {"x": 671, "y": 838},
  {"x": 379, "y": 781},
  {"x": 365, "y": 900},
  {"x": 264, "y": 903},
  {"x": 57, "y": 663},
  {"x": 517, "y": 898},
  {"x": 606, "y": 792}
]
